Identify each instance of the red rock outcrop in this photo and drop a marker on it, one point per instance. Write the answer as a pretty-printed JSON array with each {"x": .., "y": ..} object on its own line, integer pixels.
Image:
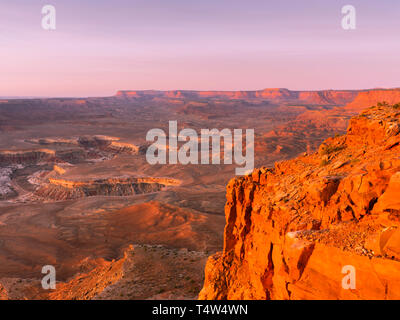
[
  {"x": 109, "y": 144},
  {"x": 323, "y": 97},
  {"x": 293, "y": 229},
  {"x": 372, "y": 97},
  {"x": 26, "y": 156},
  {"x": 86, "y": 286},
  {"x": 60, "y": 189}
]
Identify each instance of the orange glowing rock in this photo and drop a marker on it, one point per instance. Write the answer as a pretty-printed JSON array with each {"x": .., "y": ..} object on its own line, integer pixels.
[{"x": 291, "y": 229}]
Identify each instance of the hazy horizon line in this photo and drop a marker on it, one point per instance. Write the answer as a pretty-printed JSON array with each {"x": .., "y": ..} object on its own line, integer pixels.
[{"x": 189, "y": 90}]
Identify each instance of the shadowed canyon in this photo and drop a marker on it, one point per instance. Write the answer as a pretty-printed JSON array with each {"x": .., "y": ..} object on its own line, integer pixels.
[{"x": 76, "y": 192}]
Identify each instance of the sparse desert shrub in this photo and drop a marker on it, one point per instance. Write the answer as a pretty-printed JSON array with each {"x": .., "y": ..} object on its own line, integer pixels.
[
  {"x": 286, "y": 200},
  {"x": 329, "y": 149},
  {"x": 396, "y": 106},
  {"x": 383, "y": 104},
  {"x": 324, "y": 162}
]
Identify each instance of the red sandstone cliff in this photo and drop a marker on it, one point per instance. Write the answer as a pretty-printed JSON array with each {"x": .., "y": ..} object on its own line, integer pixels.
[
  {"x": 371, "y": 97},
  {"x": 354, "y": 100},
  {"x": 277, "y": 95},
  {"x": 291, "y": 229}
]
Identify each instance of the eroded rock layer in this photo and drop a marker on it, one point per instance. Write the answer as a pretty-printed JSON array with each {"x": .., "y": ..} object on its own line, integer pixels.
[
  {"x": 291, "y": 230},
  {"x": 59, "y": 189}
]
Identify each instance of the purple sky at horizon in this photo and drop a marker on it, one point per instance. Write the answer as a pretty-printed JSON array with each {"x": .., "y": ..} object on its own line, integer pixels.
[{"x": 104, "y": 46}]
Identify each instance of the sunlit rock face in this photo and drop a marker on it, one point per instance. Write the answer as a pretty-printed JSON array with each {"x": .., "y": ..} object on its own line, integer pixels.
[
  {"x": 60, "y": 189},
  {"x": 291, "y": 229}
]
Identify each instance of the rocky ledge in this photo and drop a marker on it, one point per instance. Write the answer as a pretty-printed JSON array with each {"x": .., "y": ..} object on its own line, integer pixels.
[
  {"x": 61, "y": 189},
  {"x": 292, "y": 231}
]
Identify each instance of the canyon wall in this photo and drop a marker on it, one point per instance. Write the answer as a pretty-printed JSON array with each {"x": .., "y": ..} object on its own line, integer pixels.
[
  {"x": 277, "y": 95},
  {"x": 26, "y": 156},
  {"x": 60, "y": 189},
  {"x": 371, "y": 97},
  {"x": 72, "y": 150},
  {"x": 291, "y": 230}
]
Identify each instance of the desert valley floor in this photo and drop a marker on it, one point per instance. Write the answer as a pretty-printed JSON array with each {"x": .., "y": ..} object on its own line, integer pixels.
[{"x": 76, "y": 191}]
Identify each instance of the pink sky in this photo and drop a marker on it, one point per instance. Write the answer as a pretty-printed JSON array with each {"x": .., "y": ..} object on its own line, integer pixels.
[{"x": 105, "y": 46}]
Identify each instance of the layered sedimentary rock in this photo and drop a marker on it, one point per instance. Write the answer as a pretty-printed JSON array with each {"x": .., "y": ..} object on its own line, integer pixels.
[
  {"x": 325, "y": 97},
  {"x": 371, "y": 97},
  {"x": 110, "y": 144},
  {"x": 293, "y": 229},
  {"x": 26, "y": 156},
  {"x": 60, "y": 189},
  {"x": 38, "y": 156}
]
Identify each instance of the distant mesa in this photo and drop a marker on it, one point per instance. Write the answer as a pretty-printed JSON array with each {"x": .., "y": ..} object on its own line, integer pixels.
[
  {"x": 9, "y": 157},
  {"x": 372, "y": 97},
  {"x": 356, "y": 99},
  {"x": 61, "y": 189},
  {"x": 324, "y": 97},
  {"x": 68, "y": 150}
]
